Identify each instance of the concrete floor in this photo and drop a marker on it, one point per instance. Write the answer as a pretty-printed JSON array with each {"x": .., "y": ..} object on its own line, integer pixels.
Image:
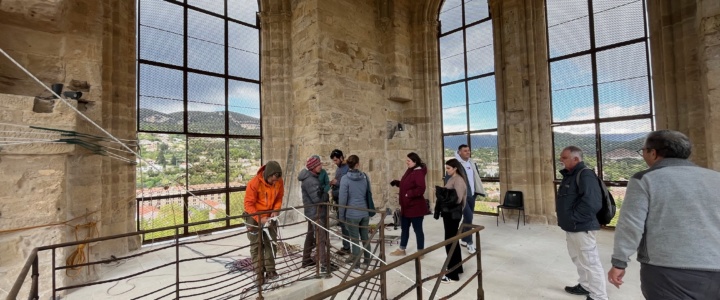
[{"x": 529, "y": 263}]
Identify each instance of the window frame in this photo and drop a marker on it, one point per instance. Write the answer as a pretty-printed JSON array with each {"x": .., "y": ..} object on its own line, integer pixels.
[
  {"x": 227, "y": 137},
  {"x": 468, "y": 133},
  {"x": 597, "y": 120}
]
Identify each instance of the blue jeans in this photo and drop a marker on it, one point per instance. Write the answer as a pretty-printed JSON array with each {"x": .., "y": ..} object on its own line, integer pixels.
[
  {"x": 468, "y": 216},
  {"x": 356, "y": 232},
  {"x": 343, "y": 230},
  {"x": 345, "y": 234},
  {"x": 405, "y": 231}
]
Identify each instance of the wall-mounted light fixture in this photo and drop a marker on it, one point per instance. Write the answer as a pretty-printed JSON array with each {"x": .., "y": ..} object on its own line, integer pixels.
[{"x": 400, "y": 127}]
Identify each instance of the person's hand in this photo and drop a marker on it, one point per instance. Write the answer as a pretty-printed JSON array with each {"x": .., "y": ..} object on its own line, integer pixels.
[
  {"x": 333, "y": 182},
  {"x": 615, "y": 276},
  {"x": 274, "y": 214},
  {"x": 263, "y": 220},
  {"x": 395, "y": 183}
]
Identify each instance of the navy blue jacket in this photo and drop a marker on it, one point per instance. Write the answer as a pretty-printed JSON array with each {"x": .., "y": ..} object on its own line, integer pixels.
[{"x": 577, "y": 207}]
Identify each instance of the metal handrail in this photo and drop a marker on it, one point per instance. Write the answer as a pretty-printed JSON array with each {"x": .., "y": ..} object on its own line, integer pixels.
[
  {"x": 386, "y": 268},
  {"x": 32, "y": 262}
]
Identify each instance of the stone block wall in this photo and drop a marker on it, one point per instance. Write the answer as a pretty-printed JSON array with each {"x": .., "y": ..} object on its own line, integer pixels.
[
  {"x": 349, "y": 65},
  {"x": 685, "y": 49},
  {"x": 89, "y": 47},
  {"x": 34, "y": 177}
]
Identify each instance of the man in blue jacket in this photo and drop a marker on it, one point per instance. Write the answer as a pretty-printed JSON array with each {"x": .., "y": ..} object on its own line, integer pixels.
[{"x": 577, "y": 208}]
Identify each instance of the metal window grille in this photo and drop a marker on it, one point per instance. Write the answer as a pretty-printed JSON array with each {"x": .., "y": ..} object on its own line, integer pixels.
[
  {"x": 198, "y": 110},
  {"x": 467, "y": 83},
  {"x": 600, "y": 84}
]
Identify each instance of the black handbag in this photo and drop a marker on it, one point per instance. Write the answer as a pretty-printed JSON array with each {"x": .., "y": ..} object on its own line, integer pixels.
[{"x": 447, "y": 203}]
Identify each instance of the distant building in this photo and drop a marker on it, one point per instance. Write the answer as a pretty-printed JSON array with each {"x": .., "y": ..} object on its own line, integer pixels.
[{"x": 621, "y": 153}]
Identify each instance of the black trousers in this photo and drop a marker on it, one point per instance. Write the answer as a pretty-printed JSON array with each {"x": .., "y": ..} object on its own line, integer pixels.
[
  {"x": 451, "y": 230},
  {"x": 671, "y": 283}
]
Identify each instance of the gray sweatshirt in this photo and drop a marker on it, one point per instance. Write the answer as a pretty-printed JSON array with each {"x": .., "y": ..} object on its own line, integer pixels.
[
  {"x": 671, "y": 216},
  {"x": 353, "y": 192},
  {"x": 312, "y": 193}
]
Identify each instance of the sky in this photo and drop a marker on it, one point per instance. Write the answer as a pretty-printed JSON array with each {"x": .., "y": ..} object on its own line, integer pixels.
[
  {"x": 622, "y": 72},
  {"x": 161, "y": 40}
]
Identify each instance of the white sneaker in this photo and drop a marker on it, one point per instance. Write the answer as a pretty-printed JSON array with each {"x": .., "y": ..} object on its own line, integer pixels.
[
  {"x": 471, "y": 249},
  {"x": 463, "y": 243},
  {"x": 445, "y": 279}
]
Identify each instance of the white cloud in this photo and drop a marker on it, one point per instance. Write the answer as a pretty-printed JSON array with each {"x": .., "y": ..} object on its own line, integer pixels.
[
  {"x": 454, "y": 119},
  {"x": 606, "y": 111}
]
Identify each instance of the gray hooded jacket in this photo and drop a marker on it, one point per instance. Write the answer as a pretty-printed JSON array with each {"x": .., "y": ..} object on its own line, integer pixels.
[
  {"x": 312, "y": 193},
  {"x": 353, "y": 192}
]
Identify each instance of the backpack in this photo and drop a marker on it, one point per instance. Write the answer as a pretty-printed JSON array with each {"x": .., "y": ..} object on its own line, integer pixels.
[{"x": 608, "y": 209}]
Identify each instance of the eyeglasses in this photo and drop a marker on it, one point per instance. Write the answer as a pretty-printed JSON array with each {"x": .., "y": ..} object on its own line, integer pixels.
[{"x": 640, "y": 151}]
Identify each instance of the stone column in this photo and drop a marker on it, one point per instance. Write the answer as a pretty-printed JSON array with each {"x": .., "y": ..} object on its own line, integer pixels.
[
  {"x": 708, "y": 23},
  {"x": 90, "y": 48},
  {"x": 684, "y": 46},
  {"x": 524, "y": 133},
  {"x": 276, "y": 73},
  {"x": 676, "y": 73},
  {"x": 426, "y": 85}
]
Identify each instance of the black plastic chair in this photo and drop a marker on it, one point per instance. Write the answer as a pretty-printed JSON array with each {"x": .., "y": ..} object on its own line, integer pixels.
[{"x": 513, "y": 200}]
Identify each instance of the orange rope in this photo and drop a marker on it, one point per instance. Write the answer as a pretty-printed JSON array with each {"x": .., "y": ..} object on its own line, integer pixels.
[
  {"x": 46, "y": 225},
  {"x": 78, "y": 255}
]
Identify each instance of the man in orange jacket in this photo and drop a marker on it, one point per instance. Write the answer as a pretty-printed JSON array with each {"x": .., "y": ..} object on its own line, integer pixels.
[{"x": 264, "y": 193}]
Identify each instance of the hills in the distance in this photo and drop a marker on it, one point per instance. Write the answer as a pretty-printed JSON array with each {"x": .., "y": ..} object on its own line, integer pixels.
[
  {"x": 610, "y": 142},
  {"x": 199, "y": 121}
]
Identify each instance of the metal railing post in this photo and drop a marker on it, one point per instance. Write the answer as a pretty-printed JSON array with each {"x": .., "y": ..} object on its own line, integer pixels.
[
  {"x": 177, "y": 264},
  {"x": 261, "y": 258},
  {"x": 480, "y": 291},
  {"x": 328, "y": 248},
  {"x": 383, "y": 275},
  {"x": 53, "y": 274},
  {"x": 418, "y": 277},
  {"x": 34, "y": 289}
]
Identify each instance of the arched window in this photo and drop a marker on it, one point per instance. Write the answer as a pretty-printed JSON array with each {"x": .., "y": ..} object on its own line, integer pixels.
[
  {"x": 600, "y": 84},
  {"x": 467, "y": 83},
  {"x": 198, "y": 108}
]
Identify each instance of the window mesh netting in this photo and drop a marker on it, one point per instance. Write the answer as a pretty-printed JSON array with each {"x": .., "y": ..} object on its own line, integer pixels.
[
  {"x": 467, "y": 66},
  {"x": 601, "y": 97},
  {"x": 198, "y": 107}
]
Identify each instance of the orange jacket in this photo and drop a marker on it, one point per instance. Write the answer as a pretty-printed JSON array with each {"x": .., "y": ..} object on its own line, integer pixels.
[{"x": 260, "y": 196}]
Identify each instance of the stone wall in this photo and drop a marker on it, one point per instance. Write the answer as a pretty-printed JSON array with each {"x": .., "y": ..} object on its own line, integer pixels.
[
  {"x": 708, "y": 24},
  {"x": 352, "y": 83},
  {"x": 88, "y": 47},
  {"x": 685, "y": 47},
  {"x": 34, "y": 179},
  {"x": 524, "y": 116}
]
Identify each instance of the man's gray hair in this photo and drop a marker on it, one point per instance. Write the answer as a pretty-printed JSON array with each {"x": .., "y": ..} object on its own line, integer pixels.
[
  {"x": 575, "y": 151},
  {"x": 669, "y": 144}
]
